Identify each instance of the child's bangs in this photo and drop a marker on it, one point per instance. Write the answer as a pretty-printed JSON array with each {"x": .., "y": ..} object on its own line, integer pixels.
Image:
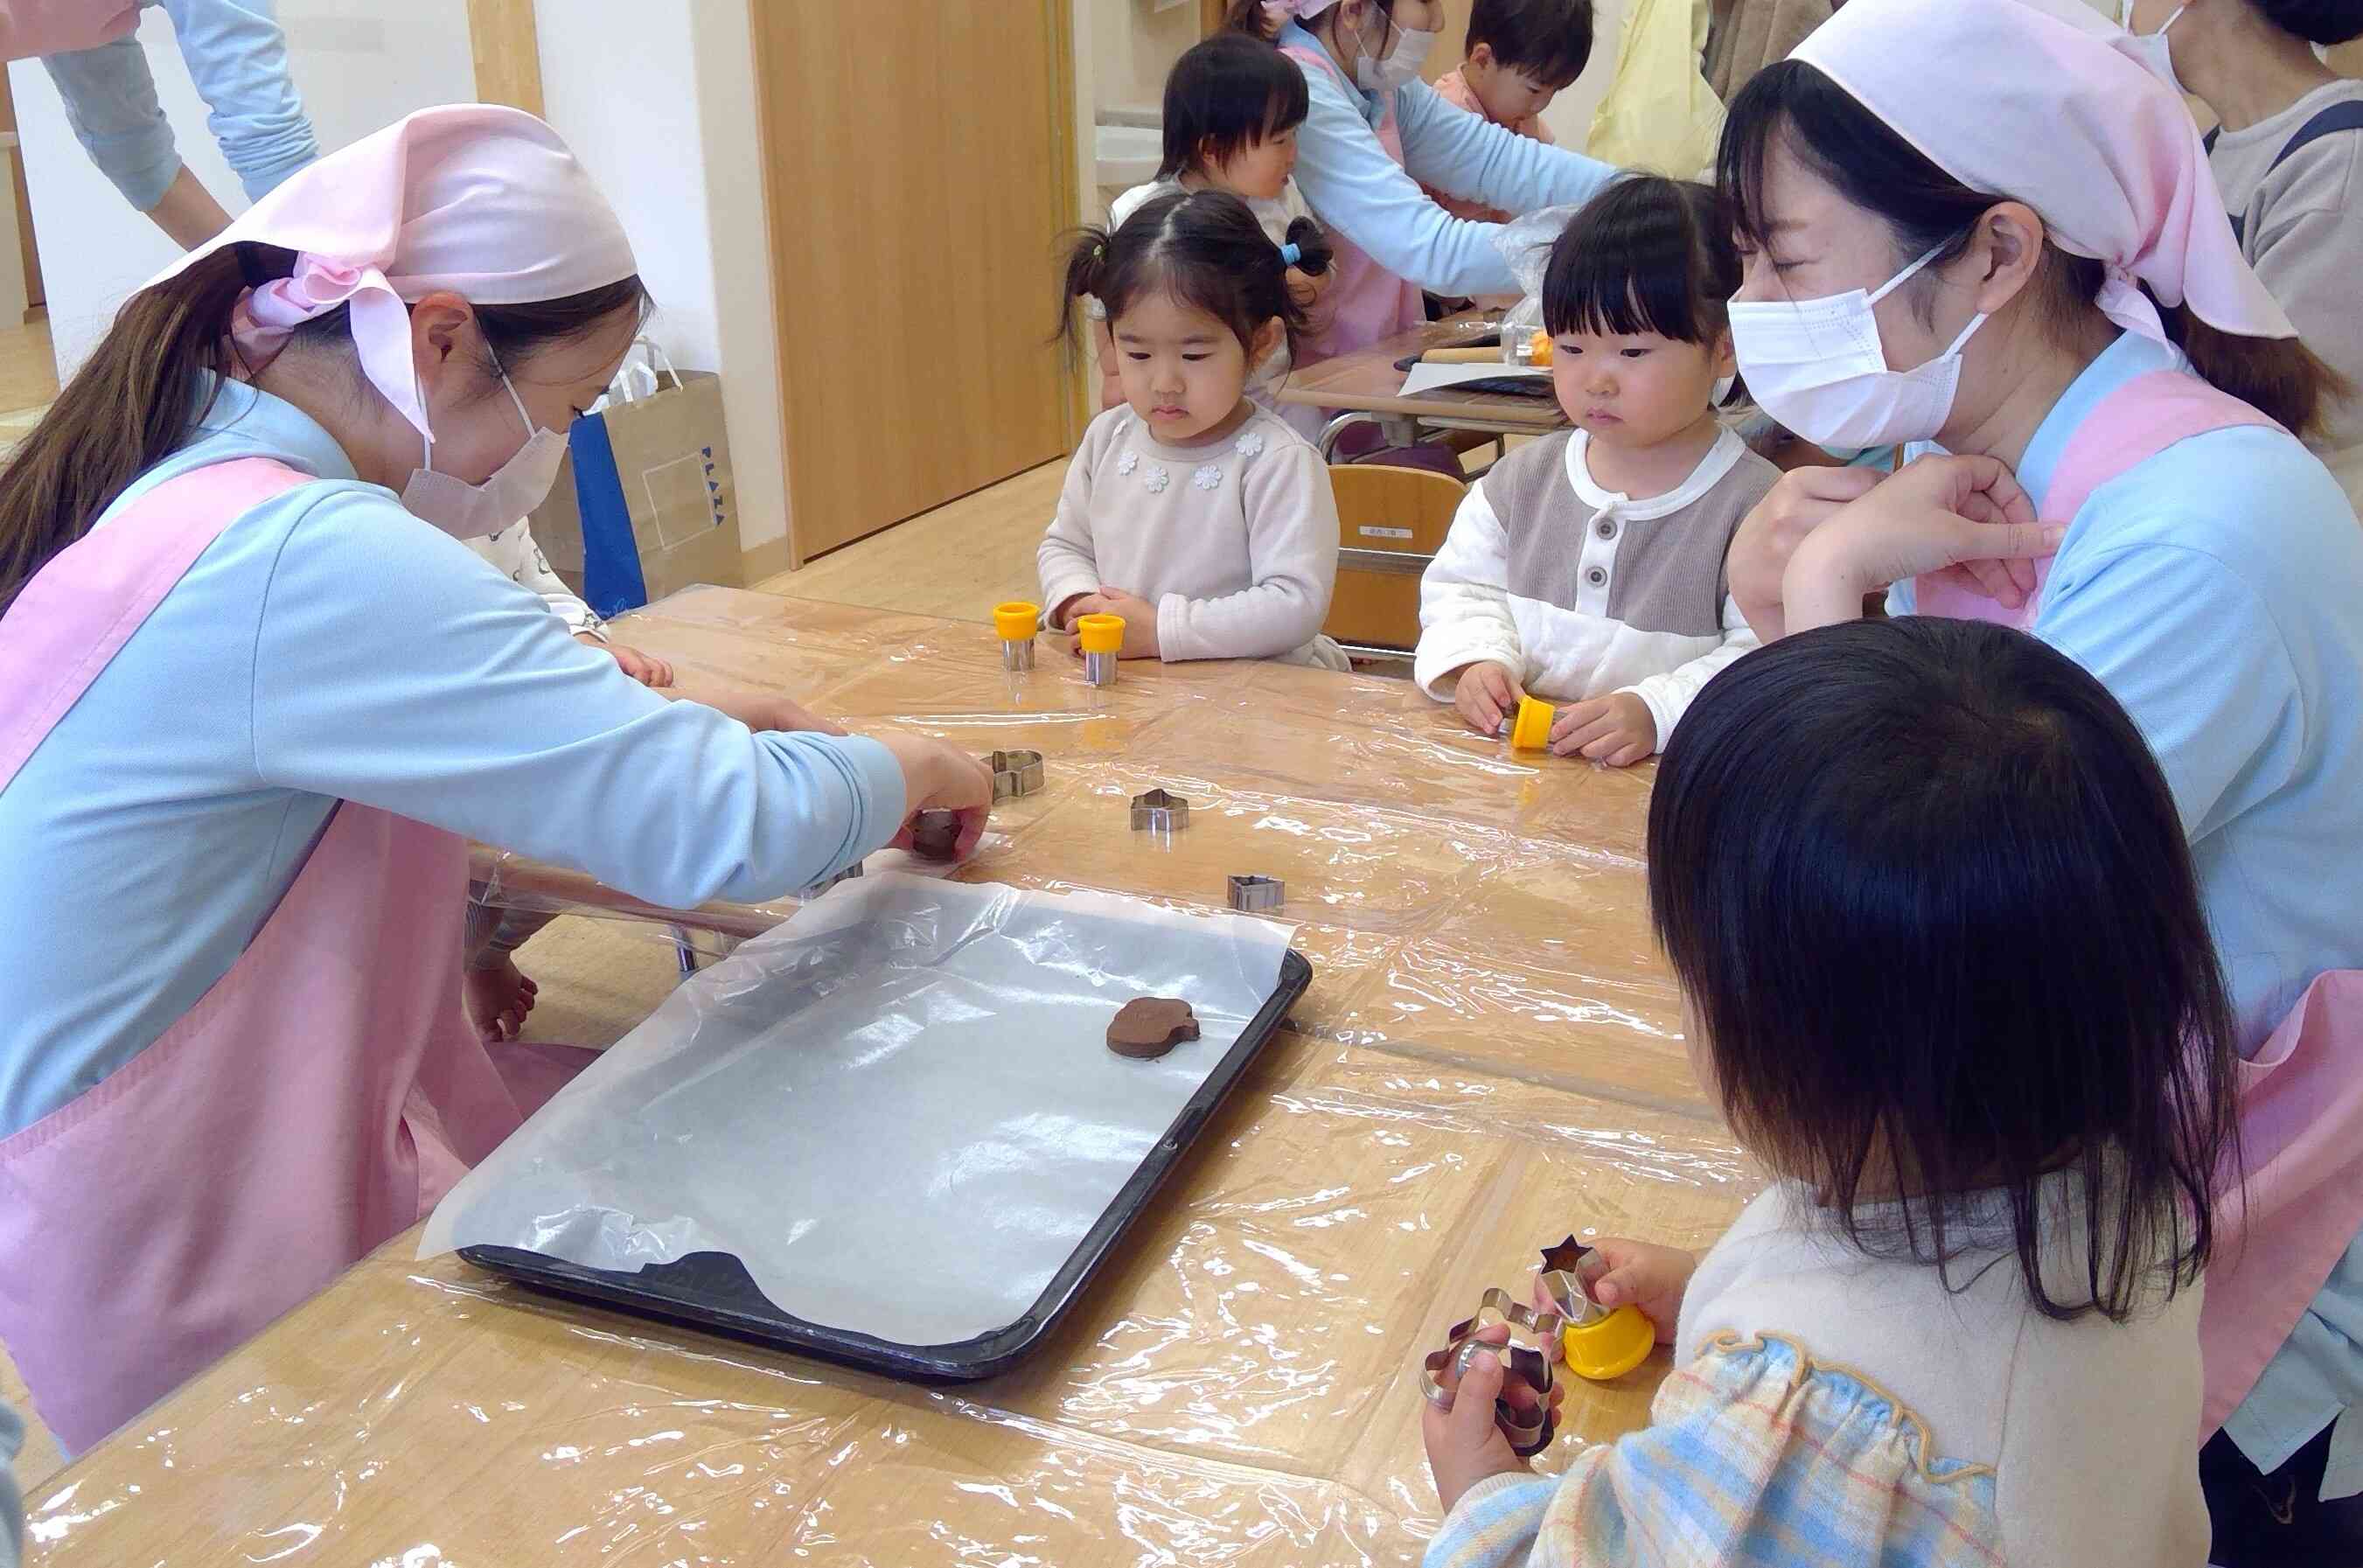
[
  {"x": 1287, "y": 106},
  {"x": 1603, "y": 293},
  {"x": 1198, "y": 288}
]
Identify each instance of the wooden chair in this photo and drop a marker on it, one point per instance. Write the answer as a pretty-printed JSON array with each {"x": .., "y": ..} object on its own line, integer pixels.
[{"x": 1392, "y": 521}]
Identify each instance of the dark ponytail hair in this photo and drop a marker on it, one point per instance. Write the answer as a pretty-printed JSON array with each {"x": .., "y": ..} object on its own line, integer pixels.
[
  {"x": 2325, "y": 22},
  {"x": 1928, "y": 210},
  {"x": 1962, "y": 966},
  {"x": 1223, "y": 96},
  {"x": 1203, "y": 249},
  {"x": 154, "y": 377}
]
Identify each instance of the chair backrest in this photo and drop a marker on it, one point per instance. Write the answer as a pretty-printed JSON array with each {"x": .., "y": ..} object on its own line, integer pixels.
[{"x": 1392, "y": 521}]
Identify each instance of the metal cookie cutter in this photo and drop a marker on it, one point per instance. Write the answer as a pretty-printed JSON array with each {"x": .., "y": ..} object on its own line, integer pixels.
[
  {"x": 1591, "y": 1341},
  {"x": 1101, "y": 638},
  {"x": 1251, "y": 894},
  {"x": 1159, "y": 811},
  {"x": 1015, "y": 623},
  {"x": 1529, "y": 1429},
  {"x": 1016, "y": 774}
]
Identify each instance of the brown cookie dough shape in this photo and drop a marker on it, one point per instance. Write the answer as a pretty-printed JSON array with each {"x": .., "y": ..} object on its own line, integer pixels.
[{"x": 1147, "y": 1027}]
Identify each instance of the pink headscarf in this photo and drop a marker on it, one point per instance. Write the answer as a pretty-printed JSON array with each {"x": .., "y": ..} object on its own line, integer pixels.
[
  {"x": 481, "y": 200},
  {"x": 1279, "y": 11},
  {"x": 29, "y": 29},
  {"x": 2036, "y": 100}
]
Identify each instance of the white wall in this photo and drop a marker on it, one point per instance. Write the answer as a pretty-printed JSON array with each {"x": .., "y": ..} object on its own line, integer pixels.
[
  {"x": 358, "y": 64},
  {"x": 656, "y": 97},
  {"x": 619, "y": 82}
]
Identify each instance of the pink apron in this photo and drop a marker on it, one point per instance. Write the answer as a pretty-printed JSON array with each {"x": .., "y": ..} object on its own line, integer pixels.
[
  {"x": 1364, "y": 302},
  {"x": 2140, "y": 419},
  {"x": 317, "y": 1101},
  {"x": 2302, "y": 1094}
]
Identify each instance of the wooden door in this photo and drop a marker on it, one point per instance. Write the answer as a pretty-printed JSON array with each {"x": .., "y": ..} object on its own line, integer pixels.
[{"x": 920, "y": 168}]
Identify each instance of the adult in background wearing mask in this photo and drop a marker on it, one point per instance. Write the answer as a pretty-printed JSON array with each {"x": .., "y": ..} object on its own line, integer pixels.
[
  {"x": 2287, "y": 152},
  {"x": 2065, "y": 310},
  {"x": 1374, "y": 133},
  {"x": 260, "y": 697}
]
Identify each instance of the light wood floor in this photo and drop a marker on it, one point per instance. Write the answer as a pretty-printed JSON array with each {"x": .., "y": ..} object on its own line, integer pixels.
[
  {"x": 958, "y": 560},
  {"x": 28, "y": 374}
]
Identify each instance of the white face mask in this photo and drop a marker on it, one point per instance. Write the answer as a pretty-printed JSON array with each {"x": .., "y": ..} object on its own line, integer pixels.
[
  {"x": 2151, "y": 48},
  {"x": 476, "y": 511},
  {"x": 1816, "y": 366},
  {"x": 1376, "y": 75}
]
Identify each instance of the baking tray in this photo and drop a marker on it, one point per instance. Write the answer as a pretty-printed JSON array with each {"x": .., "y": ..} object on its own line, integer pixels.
[{"x": 712, "y": 1291}]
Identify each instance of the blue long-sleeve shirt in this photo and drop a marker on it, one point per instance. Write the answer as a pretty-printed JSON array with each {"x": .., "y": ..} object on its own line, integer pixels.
[
  {"x": 331, "y": 646},
  {"x": 2217, "y": 590},
  {"x": 236, "y": 56},
  {"x": 1355, "y": 188}
]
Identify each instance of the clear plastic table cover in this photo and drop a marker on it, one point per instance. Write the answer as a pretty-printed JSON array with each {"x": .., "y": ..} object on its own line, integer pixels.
[
  {"x": 1490, "y": 1056},
  {"x": 898, "y": 1110}
]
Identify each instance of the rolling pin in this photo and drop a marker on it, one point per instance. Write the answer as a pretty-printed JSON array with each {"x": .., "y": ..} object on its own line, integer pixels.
[{"x": 1536, "y": 352}]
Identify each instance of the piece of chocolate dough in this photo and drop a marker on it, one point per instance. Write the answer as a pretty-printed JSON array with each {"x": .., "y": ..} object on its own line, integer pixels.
[{"x": 1147, "y": 1027}]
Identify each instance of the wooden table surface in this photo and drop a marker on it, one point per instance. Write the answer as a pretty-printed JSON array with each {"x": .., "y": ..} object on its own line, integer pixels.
[
  {"x": 1488, "y": 1057},
  {"x": 1367, "y": 381}
]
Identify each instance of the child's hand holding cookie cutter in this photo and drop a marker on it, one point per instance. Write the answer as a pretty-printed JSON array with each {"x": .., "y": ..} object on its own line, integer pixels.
[{"x": 1591, "y": 1341}]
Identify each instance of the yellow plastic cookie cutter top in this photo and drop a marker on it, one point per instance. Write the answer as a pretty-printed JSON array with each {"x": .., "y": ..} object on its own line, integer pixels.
[
  {"x": 1016, "y": 620},
  {"x": 1530, "y": 731},
  {"x": 1101, "y": 634},
  {"x": 1612, "y": 1344}
]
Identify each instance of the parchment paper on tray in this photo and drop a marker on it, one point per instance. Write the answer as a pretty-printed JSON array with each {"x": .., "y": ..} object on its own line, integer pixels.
[{"x": 905, "y": 1069}]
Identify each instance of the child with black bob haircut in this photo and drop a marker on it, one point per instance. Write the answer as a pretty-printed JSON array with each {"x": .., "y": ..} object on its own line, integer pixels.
[
  {"x": 1587, "y": 568},
  {"x": 1944, "y": 969},
  {"x": 1518, "y": 55},
  {"x": 1232, "y": 108}
]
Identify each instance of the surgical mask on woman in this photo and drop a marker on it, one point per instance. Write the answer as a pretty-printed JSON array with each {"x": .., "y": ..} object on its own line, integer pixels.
[
  {"x": 2150, "y": 49},
  {"x": 1818, "y": 367},
  {"x": 1376, "y": 74}
]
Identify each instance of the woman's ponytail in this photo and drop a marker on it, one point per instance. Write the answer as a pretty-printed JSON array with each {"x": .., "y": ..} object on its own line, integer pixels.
[{"x": 2280, "y": 377}]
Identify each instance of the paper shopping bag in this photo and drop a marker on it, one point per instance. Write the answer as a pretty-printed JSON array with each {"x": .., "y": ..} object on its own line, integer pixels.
[{"x": 644, "y": 505}]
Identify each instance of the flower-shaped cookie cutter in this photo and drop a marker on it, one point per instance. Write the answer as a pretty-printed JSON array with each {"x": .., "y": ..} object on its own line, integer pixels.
[
  {"x": 1016, "y": 774},
  {"x": 1589, "y": 1340},
  {"x": 1159, "y": 811}
]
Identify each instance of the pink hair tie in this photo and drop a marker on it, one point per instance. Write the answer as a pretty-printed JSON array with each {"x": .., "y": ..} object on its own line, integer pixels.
[{"x": 267, "y": 317}]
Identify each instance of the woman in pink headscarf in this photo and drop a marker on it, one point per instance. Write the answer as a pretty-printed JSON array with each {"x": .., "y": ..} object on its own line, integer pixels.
[
  {"x": 2028, "y": 265},
  {"x": 260, "y": 694}
]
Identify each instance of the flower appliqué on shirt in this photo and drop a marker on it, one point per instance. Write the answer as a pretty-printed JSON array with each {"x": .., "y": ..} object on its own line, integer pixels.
[
  {"x": 1249, "y": 445},
  {"x": 1157, "y": 479},
  {"x": 1127, "y": 463},
  {"x": 1208, "y": 477}
]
